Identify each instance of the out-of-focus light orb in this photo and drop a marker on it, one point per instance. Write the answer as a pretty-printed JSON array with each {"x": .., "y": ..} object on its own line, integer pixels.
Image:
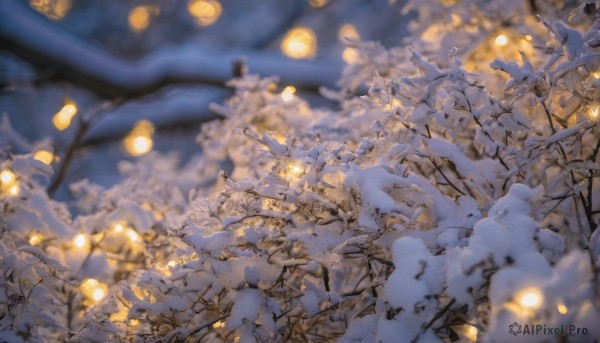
[
  {"x": 350, "y": 55},
  {"x": 593, "y": 112},
  {"x": 7, "y": 177},
  {"x": 318, "y": 3},
  {"x": 133, "y": 236},
  {"x": 139, "y": 141},
  {"x": 501, "y": 40},
  {"x": 141, "y": 145},
  {"x": 98, "y": 294},
  {"x": 118, "y": 228},
  {"x": 36, "y": 239},
  {"x": 295, "y": 169},
  {"x": 14, "y": 190},
  {"x": 80, "y": 240},
  {"x": 595, "y": 74},
  {"x": 530, "y": 298},
  {"x": 139, "y": 18},
  {"x": 62, "y": 119},
  {"x": 562, "y": 309},
  {"x": 288, "y": 93},
  {"x": 172, "y": 264},
  {"x": 205, "y": 12},
  {"x": 348, "y": 31},
  {"x": 471, "y": 332},
  {"x": 44, "y": 156},
  {"x": 94, "y": 290},
  {"x": 299, "y": 42},
  {"x": 53, "y": 9}
]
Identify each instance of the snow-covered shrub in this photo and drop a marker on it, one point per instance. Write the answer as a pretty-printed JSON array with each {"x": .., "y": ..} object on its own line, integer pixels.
[{"x": 438, "y": 207}]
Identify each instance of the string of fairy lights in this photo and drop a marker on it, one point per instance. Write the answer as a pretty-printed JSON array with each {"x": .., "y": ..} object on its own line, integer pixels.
[{"x": 299, "y": 42}]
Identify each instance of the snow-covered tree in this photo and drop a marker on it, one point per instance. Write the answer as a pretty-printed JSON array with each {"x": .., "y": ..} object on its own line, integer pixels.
[{"x": 454, "y": 201}]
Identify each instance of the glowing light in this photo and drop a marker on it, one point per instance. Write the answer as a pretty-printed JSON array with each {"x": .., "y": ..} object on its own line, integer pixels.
[
  {"x": 471, "y": 332},
  {"x": 133, "y": 236},
  {"x": 299, "y": 42},
  {"x": 593, "y": 112},
  {"x": 219, "y": 324},
  {"x": 318, "y": 3},
  {"x": 528, "y": 38},
  {"x": 350, "y": 55},
  {"x": 501, "y": 40},
  {"x": 288, "y": 93},
  {"x": 394, "y": 103},
  {"x": 7, "y": 177},
  {"x": 595, "y": 74},
  {"x": 139, "y": 140},
  {"x": 53, "y": 9},
  {"x": 62, "y": 119},
  {"x": 530, "y": 298},
  {"x": 206, "y": 12},
  {"x": 80, "y": 240},
  {"x": 94, "y": 290},
  {"x": 172, "y": 264},
  {"x": 562, "y": 309},
  {"x": 98, "y": 294},
  {"x": 14, "y": 190},
  {"x": 43, "y": 156},
  {"x": 279, "y": 138},
  {"x": 348, "y": 31},
  {"x": 294, "y": 169},
  {"x": 139, "y": 18},
  {"x": 36, "y": 239}
]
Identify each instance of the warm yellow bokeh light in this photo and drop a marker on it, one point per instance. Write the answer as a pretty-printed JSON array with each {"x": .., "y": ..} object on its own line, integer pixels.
[
  {"x": 350, "y": 55},
  {"x": 288, "y": 93},
  {"x": 118, "y": 227},
  {"x": 43, "y": 156},
  {"x": 139, "y": 18},
  {"x": 562, "y": 309},
  {"x": 299, "y": 42},
  {"x": 141, "y": 145},
  {"x": 471, "y": 332},
  {"x": 133, "y": 236},
  {"x": 279, "y": 138},
  {"x": 593, "y": 112},
  {"x": 14, "y": 190},
  {"x": 295, "y": 169},
  {"x": 206, "y": 12},
  {"x": 501, "y": 40},
  {"x": 530, "y": 298},
  {"x": 172, "y": 264},
  {"x": 98, "y": 294},
  {"x": 317, "y": 3},
  {"x": 595, "y": 74},
  {"x": 8, "y": 178},
  {"x": 80, "y": 240},
  {"x": 139, "y": 140},
  {"x": 348, "y": 31},
  {"x": 93, "y": 290},
  {"x": 53, "y": 9},
  {"x": 36, "y": 239},
  {"x": 62, "y": 119}
]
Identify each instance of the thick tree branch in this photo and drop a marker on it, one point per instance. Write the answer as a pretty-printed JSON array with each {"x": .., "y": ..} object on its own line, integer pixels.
[{"x": 43, "y": 44}]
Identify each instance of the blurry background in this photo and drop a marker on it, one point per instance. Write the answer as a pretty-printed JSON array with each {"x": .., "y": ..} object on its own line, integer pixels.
[{"x": 164, "y": 61}]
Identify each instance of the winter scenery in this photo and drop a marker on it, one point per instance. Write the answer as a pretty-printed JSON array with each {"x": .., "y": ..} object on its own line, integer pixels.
[{"x": 300, "y": 171}]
